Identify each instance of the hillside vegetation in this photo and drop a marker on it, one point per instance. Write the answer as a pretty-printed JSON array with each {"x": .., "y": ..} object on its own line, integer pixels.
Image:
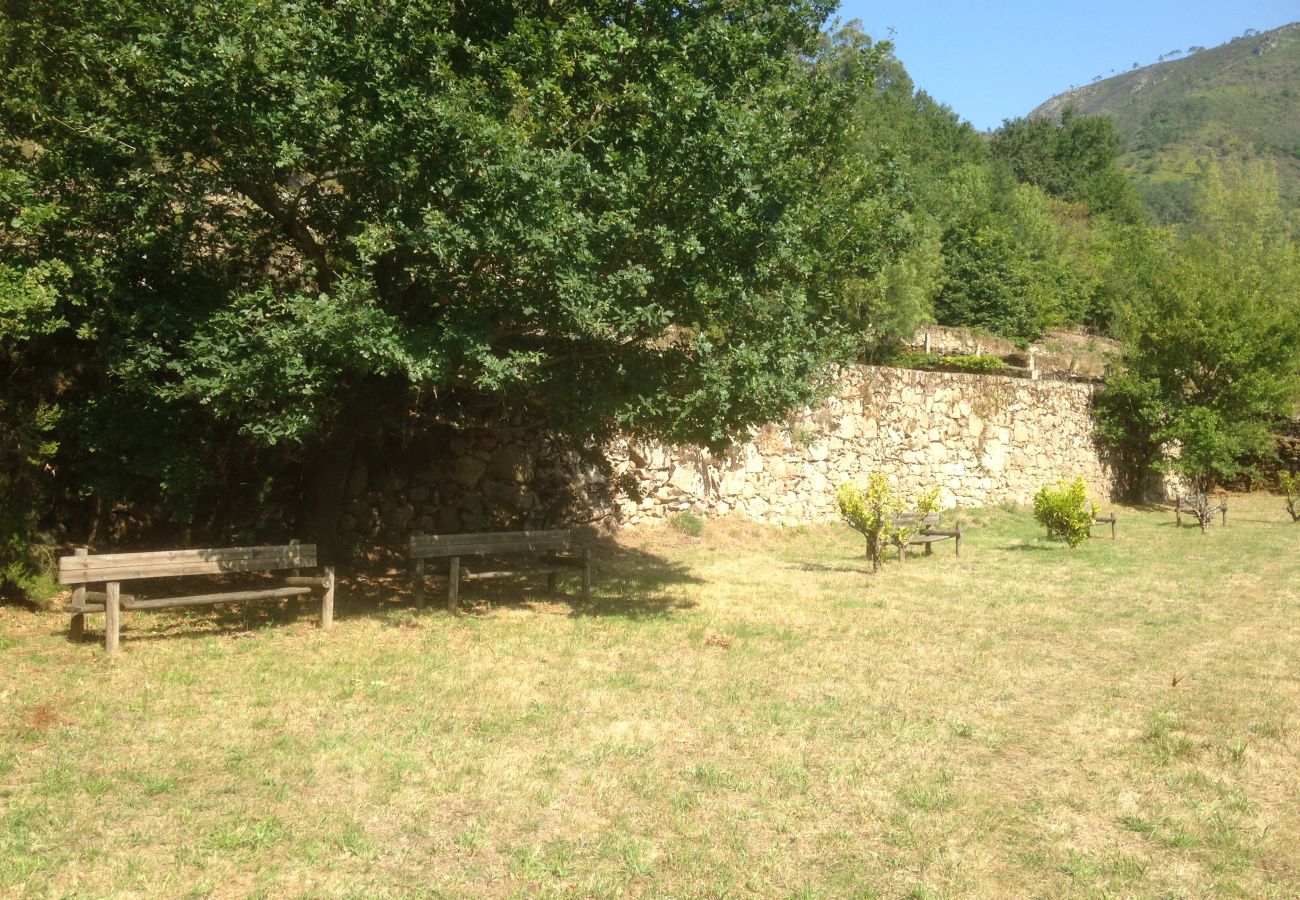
[{"x": 1241, "y": 98}]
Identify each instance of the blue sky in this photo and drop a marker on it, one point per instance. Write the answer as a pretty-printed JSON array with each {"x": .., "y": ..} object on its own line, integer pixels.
[{"x": 993, "y": 61}]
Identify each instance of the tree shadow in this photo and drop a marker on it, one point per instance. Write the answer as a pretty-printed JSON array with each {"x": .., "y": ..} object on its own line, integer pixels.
[
  {"x": 838, "y": 569},
  {"x": 1027, "y": 546},
  {"x": 627, "y": 583}
]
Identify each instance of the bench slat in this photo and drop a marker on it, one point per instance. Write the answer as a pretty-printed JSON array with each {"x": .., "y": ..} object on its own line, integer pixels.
[
  {"x": 434, "y": 545},
  {"x": 915, "y": 519},
  {"x": 170, "y": 563},
  {"x": 929, "y": 537},
  {"x": 522, "y": 570},
  {"x": 227, "y": 597},
  {"x": 84, "y": 608}
]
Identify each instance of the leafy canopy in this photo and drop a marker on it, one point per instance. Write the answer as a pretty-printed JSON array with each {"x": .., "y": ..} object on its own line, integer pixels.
[
  {"x": 1212, "y": 330},
  {"x": 260, "y": 225}
]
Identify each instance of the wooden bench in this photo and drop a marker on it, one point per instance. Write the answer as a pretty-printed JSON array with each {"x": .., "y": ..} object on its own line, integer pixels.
[
  {"x": 115, "y": 569},
  {"x": 550, "y": 552},
  {"x": 1200, "y": 508},
  {"x": 1110, "y": 520},
  {"x": 924, "y": 530}
]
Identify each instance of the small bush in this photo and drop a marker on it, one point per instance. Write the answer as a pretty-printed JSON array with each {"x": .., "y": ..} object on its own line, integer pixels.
[
  {"x": 871, "y": 513},
  {"x": 1291, "y": 489},
  {"x": 928, "y": 502},
  {"x": 976, "y": 364},
  {"x": 930, "y": 362},
  {"x": 1065, "y": 510},
  {"x": 688, "y": 523}
]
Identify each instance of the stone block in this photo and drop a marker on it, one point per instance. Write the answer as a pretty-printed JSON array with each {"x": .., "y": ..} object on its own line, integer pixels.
[
  {"x": 468, "y": 470},
  {"x": 400, "y": 518},
  {"x": 512, "y": 462}
]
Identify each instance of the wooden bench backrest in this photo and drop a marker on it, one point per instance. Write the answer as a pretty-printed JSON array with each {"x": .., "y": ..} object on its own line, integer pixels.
[
  {"x": 168, "y": 563},
  {"x": 911, "y": 519},
  {"x": 424, "y": 546}
]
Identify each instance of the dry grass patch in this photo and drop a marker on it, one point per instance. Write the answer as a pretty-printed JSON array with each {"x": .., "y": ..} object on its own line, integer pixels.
[{"x": 743, "y": 711}]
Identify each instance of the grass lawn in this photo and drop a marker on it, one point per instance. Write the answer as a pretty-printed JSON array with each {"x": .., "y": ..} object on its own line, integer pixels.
[{"x": 747, "y": 712}]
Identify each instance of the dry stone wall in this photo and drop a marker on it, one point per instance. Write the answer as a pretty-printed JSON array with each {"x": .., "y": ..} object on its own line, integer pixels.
[{"x": 980, "y": 439}]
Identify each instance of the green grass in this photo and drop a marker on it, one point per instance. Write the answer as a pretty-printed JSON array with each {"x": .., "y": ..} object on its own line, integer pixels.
[{"x": 747, "y": 711}]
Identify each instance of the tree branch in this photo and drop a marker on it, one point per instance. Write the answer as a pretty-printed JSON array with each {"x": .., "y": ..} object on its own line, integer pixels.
[{"x": 267, "y": 199}]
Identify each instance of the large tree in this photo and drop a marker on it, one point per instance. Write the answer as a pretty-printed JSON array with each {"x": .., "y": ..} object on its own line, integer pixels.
[
  {"x": 245, "y": 224},
  {"x": 1212, "y": 331},
  {"x": 1076, "y": 160}
]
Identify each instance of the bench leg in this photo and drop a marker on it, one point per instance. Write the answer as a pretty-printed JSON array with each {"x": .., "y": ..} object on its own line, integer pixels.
[
  {"x": 902, "y": 552},
  {"x": 327, "y": 602},
  {"x": 453, "y": 583},
  {"x": 586, "y": 575},
  {"x": 957, "y": 541},
  {"x": 550, "y": 582},
  {"x": 77, "y": 627},
  {"x": 929, "y": 548},
  {"x": 112, "y": 617},
  {"x": 418, "y": 587}
]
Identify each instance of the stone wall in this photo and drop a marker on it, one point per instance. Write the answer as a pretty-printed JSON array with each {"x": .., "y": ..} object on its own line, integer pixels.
[{"x": 981, "y": 439}]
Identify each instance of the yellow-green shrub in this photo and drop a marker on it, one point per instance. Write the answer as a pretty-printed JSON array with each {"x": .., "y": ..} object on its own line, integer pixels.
[
  {"x": 1066, "y": 510},
  {"x": 871, "y": 512},
  {"x": 1291, "y": 488}
]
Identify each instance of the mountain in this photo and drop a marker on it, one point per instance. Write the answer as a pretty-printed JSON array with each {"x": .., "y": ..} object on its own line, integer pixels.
[{"x": 1241, "y": 97}]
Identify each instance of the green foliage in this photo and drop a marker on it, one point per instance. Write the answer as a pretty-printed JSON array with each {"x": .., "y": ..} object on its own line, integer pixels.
[
  {"x": 871, "y": 512},
  {"x": 1290, "y": 485},
  {"x": 243, "y": 238},
  {"x": 1075, "y": 160},
  {"x": 1238, "y": 98},
  {"x": 1007, "y": 256},
  {"x": 1065, "y": 510},
  {"x": 688, "y": 523},
  {"x": 1213, "y": 337},
  {"x": 928, "y": 502},
  {"x": 1008, "y": 265},
  {"x": 929, "y": 362}
]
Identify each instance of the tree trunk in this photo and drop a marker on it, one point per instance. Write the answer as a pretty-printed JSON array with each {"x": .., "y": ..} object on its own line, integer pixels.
[{"x": 325, "y": 478}]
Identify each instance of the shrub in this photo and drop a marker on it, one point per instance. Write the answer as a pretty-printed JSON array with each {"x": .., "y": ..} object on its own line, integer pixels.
[
  {"x": 871, "y": 512},
  {"x": 971, "y": 363},
  {"x": 688, "y": 523},
  {"x": 928, "y": 502},
  {"x": 1291, "y": 488},
  {"x": 930, "y": 362},
  {"x": 1065, "y": 510}
]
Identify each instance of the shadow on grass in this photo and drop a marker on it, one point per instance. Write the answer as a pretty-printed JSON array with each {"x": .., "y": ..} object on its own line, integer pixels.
[
  {"x": 626, "y": 583},
  {"x": 840, "y": 569},
  {"x": 1026, "y": 545}
]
